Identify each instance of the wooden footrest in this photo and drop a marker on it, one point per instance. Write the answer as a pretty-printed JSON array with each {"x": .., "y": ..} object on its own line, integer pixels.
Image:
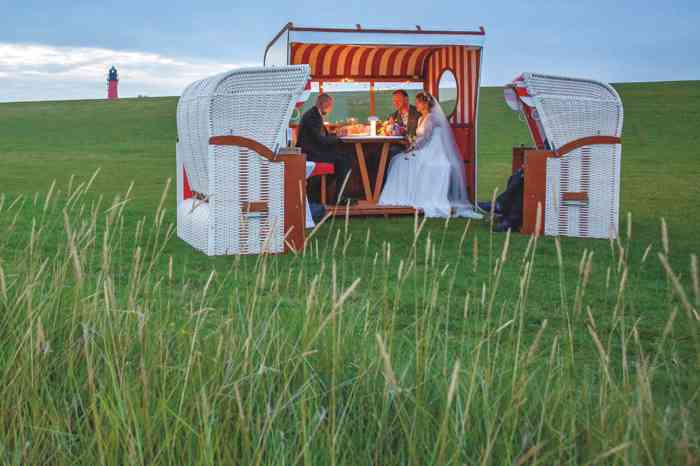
[{"x": 369, "y": 210}]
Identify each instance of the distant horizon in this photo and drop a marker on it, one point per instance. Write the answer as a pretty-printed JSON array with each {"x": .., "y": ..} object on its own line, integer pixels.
[{"x": 334, "y": 91}]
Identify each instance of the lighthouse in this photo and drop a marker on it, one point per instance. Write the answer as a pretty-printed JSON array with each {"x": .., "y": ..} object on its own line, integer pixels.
[{"x": 113, "y": 84}]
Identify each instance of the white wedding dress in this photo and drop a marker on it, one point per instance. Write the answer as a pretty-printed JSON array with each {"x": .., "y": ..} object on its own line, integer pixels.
[{"x": 430, "y": 176}]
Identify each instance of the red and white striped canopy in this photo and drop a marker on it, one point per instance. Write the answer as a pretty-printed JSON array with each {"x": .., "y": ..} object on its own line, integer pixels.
[{"x": 362, "y": 62}]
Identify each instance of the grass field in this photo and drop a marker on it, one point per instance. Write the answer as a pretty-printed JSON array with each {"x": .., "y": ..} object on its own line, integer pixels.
[{"x": 387, "y": 342}]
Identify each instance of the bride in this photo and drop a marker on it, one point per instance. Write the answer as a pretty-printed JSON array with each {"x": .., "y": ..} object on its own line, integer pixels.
[{"x": 429, "y": 175}]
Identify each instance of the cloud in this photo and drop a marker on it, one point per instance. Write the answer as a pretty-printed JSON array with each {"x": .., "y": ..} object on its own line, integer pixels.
[{"x": 43, "y": 72}]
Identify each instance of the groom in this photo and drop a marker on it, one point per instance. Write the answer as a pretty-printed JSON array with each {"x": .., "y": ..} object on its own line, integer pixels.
[{"x": 406, "y": 116}]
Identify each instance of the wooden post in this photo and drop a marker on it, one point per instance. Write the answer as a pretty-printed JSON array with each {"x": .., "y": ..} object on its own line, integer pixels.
[
  {"x": 294, "y": 196},
  {"x": 534, "y": 190},
  {"x": 324, "y": 190},
  {"x": 519, "y": 157},
  {"x": 372, "y": 99}
]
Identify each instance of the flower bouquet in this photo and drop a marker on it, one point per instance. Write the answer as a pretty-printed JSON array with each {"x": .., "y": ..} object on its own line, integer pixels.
[{"x": 410, "y": 149}]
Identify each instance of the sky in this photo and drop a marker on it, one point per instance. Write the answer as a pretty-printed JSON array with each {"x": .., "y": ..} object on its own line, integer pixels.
[{"x": 54, "y": 50}]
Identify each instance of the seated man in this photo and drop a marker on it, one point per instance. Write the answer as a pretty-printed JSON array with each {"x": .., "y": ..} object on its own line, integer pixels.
[
  {"x": 321, "y": 146},
  {"x": 406, "y": 116}
]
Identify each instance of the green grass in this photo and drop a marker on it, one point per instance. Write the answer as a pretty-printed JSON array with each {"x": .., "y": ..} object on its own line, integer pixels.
[{"x": 385, "y": 343}]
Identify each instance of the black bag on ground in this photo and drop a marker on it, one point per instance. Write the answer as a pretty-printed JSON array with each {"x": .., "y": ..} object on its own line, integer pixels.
[{"x": 511, "y": 202}]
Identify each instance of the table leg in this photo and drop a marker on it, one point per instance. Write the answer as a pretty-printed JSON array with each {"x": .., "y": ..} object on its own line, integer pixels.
[
  {"x": 378, "y": 183},
  {"x": 363, "y": 172}
]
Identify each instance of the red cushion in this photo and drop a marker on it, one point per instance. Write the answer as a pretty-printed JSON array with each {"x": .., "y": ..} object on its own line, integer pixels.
[
  {"x": 323, "y": 169},
  {"x": 186, "y": 190}
]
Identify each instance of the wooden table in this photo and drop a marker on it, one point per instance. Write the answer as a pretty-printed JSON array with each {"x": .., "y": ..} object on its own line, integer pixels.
[{"x": 371, "y": 195}]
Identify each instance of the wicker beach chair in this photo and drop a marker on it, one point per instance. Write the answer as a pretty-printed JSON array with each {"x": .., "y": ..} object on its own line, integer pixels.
[
  {"x": 574, "y": 171},
  {"x": 236, "y": 194}
]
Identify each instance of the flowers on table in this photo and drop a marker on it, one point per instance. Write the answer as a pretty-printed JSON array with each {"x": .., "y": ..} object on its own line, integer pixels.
[{"x": 392, "y": 128}]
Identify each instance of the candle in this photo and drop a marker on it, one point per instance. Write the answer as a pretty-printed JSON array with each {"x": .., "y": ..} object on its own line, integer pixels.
[{"x": 373, "y": 125}]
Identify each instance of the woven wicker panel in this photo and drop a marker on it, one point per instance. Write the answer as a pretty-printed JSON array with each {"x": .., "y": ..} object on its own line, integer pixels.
[
  {"x": 191, "y": 117},
  {"x": 178, "y": 173},
  {"x": 595, "y": 171},
  {"x": 242, "y": 176},
  {"x": 604, "y": 192},
  {"x": 192, "y": 215},
  {"x": 565, "y": 119},
  {"x": 242, "y": 99},
  {"x": 552, "y": 224},
  {"x": 193, "y": 223},
  {"x": 540, "y": 84}
]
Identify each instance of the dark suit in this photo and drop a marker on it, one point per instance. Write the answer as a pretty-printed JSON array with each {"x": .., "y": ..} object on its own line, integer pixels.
[{"x": 320, "y": 146}]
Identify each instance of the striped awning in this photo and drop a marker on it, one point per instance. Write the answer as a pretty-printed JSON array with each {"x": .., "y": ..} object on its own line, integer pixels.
[
  {"x": 362, "y": 62},
  {"x": 465, "y": 64}
]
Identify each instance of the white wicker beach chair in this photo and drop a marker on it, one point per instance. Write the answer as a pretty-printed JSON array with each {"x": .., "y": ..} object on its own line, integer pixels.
[
  {"x": 235, "y": 194},
  {"x": 577, "y": 123}
]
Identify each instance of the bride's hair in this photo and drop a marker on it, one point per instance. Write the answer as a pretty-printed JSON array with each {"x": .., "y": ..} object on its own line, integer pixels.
[{"x": 426, "y": 98}]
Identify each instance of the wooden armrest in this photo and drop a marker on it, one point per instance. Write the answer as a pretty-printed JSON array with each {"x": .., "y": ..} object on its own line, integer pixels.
[
  {"x": 254, "y": 207},
  {"x": 587, "y": 141},
  {"x": 256, "y": 147},
  {"x": 574, "y": 196},
  {"x": 248, "y": 143}
]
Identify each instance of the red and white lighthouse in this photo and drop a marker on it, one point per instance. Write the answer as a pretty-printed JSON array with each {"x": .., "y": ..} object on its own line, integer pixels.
[{"x": 113, "y": 84}]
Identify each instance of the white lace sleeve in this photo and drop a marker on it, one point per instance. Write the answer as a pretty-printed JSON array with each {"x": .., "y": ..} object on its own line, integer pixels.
[{"x": 428, "y": 127}]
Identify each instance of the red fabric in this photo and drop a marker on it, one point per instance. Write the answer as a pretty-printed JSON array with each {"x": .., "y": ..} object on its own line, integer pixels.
[
  {"x": 323, "y": 169},
  {"x": 537, "y": 136},
  {"x": 186, "y": 191},
  {"x": 305, "y": 95}
]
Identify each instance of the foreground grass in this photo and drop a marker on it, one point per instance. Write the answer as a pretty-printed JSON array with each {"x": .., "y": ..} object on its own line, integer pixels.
[{"x": 114, "y": 353}]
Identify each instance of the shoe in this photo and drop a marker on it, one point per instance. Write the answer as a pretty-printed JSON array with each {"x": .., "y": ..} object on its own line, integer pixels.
[
  {"x": 502, "y": 227},
  {"x": 473, "y": 215},
  {"x": 486, "y": 207}
]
